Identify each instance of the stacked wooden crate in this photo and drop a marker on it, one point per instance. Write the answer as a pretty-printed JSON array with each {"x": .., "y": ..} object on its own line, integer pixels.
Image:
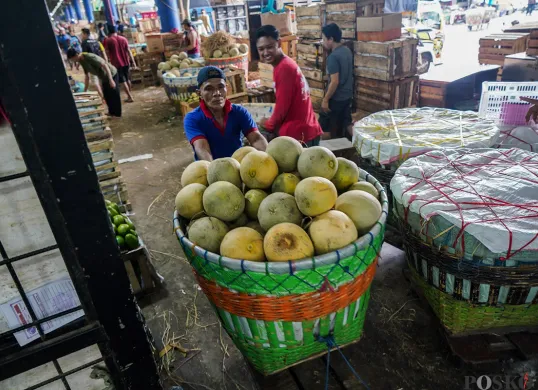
[
  {"x": 171, "y": 43},
  {"x": 236, "y": 86},
  {"x": 309, "y": 21},
  {"x": 266, "y": 75},
  {"x": 99, "y": 137},
  {"x": 385, "y": 75},
  {"x": 344, "y": 15},
  {"x": 146, "y": 72},
  {"x": 311, "y": 60},
  {"x": 532, "y": 47},
  {"x": 493, "y": 48},
  {"x": 370, "y": 7}
]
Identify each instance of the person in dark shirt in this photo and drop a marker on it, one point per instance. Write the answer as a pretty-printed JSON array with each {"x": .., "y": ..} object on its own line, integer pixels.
[
  {"x": 335, "y": 116},
  {"x": 102, "y": 32}
]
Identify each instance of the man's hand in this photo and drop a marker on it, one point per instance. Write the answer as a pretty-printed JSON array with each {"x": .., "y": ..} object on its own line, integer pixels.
[
  {"x": 257, "y": 141},
  {"x": 325, "y": 106},
  {"x": 533, "y": 110},
  {"x": 262, "y": 121},
  {"x": 112, "y": 84}
]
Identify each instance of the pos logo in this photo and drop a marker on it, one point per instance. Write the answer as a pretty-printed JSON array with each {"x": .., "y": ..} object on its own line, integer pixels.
[{"x": 498, "y": 382}]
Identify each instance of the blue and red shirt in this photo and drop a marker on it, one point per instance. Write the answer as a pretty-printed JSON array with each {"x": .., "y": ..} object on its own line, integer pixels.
[{"x": 223, "y": 141}]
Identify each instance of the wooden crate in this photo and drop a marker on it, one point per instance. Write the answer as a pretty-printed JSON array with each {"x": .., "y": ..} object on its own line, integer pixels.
[
  {"x": 261, "y": 95},
  {"x": 432, "y": 93},
  {"x": 266, "y": 74},
  {"x": 493, "y": 48},
  {"x": 370, "y": 7},
  {"x": 391, "y": 60},
  {"x": 239, "y": 99},
  {"x": 149, "y": 25},
  {"x": 344, "y": 15},
  {"x": 376, "y": 95},
  {"x": 186, "y": 107},
  {"x": 309, "y": 20},
  {"x": 139, "y": 270},
  {"x": 532, "y": 46},
  {"x": 310, "y": 54},
  {"x": 171, "y": 41},
  {"x": 289, "y": 45},
  {"x": 235, "y": 83}
]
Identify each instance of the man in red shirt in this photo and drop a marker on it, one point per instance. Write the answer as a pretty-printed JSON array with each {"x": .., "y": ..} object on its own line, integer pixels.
[
  {"x": 120, "y": 56},
  {"x": 293, "y": 115}
]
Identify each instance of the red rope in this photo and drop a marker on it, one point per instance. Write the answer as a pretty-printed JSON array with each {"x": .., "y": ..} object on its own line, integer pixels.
[{"x": 464, "y": 183}]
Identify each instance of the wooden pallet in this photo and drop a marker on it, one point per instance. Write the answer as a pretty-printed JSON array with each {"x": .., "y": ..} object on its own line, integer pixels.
[
  {"x": 387, "y": 61},
  {"x": 481, "y": 348},
  {"x": 493, "y": 48},
  {"x": 345, "y": 16},
  {"x": 376, "y": 95},
  {"x": 432, "y": 93},
  {"x": 309, "y": 20},
  {"x": 532, "y": 46}
]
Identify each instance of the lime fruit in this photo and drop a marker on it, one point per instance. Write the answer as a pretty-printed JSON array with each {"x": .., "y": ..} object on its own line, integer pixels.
[
  {"x": 115, "y": 207},
  {"x": 131, "y": 241},
  {"x": 107, "y": 202},
  {"x": 133, "y": 233},
  {"x": 119, "y": 220},
  {"x": 111, "y": 211},
  {"x": 131, "y": 225},
  {"x": 121, "y": 241},
  {"x": 123, "y": 229}
]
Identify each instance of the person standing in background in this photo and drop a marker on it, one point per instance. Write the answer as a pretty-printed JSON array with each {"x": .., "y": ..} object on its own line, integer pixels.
[
  {"x": 90, "y": 45},
  {"x": 335, "y": 115},
  {"x": 102, "y": 33},
  {"x": 107, "y": 73},
  {"x": 192, "y": 39},
  {"x": 293, "y": 115},
  {"x": 530, "y": 7},
  {"x": 120, "y": 56}
]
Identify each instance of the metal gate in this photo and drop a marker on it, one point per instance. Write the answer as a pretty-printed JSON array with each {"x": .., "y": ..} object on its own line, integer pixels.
[{"x": 54, "y": 228}]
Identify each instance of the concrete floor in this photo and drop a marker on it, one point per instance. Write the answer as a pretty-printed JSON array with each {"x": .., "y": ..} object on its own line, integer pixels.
[{"x": 401, "y": 347}]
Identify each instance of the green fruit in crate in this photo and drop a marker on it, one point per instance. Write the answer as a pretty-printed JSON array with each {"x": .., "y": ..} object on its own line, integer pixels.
[
  {"x": 131, "y": 241},
  {"x": 121, "y": 242},
  {"x": 207, "y": 233},
  {"x": 118, "y": 220},
  {"x": 253, "y": 199},
  {"x": 133, "y": 232},
  {"x": 115, "y": 229},
  {"x": 123, "y": 229},
  {"x": 224, "y": 169},
  {"x": 112, "y": 211},
  {"x": 131, "y": 225}
]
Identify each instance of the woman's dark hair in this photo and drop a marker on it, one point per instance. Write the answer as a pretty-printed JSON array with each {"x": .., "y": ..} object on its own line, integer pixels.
[
  {"x": 99, "y": 25},
  {"x": 268, "y": 31},
  {"x": 86, "y": 31},
  {"x": 187, "y": 23},
  {"x": 332, "y": 31},
  {"x": 71, "y": 52}
]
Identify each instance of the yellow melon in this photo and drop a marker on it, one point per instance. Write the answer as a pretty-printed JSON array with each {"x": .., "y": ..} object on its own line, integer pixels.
[
  {"x": 346, "y": 174},
  {"x": 208, "y": 233},
  {"x": 286, "y": 152},
  {"x": 253, "y": 199},
  {"x": 240, "y": 153},
  {"x": 366, "y": 187},
  {"x": 189, "y": 200},
  {"x": 315, "y": 195},
  {"x": 243, "y": 243},
  {"x": 317, "y": 161},
  {"x": 331, "y": 231},
  {"x": 278, "y": 208},
  {"x": 287, "y": 241},
  {"x": 224, "y": 201},
  {"x": 258, "y": 170},
  {"x": 195, "y": 172},
  {"x": 363, "y": 209},
  {"x": 285, "y": 182},
  {"x": 224, "y": 169}
]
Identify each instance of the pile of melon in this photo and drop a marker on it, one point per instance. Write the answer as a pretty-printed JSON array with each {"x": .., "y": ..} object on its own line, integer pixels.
[
  {"x": 287, "y": 203},
  {"x": 228, "y": 51},
  {"x": 171, "y": 68}
]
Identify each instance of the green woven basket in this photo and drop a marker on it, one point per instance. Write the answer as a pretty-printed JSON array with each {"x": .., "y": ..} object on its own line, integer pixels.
[{"x": 279, "y": 313}]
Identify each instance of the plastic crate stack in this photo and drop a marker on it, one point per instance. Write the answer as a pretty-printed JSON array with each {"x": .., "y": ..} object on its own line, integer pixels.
[{"x": 101, "y": 145}]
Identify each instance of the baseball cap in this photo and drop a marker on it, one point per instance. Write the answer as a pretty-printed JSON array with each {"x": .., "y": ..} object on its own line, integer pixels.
[{"x": 209, "y": 72}]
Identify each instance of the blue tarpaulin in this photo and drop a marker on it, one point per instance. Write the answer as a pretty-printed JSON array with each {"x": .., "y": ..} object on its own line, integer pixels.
[{"x": 400, "y": 6}]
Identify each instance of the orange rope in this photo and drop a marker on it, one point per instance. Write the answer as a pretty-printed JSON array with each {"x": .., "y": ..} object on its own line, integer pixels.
[{"x": 295, "y": 307}]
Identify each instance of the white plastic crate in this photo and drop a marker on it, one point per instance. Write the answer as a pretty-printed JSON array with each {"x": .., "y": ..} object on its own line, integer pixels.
[{"x": 501, "y": 102}]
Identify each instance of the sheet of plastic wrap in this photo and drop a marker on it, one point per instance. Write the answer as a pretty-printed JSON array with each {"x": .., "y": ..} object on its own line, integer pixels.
[
  {"x": 521, "y": 137},
  {"x": 491, "y": 194},
  {"x": 397, "y": 135}
]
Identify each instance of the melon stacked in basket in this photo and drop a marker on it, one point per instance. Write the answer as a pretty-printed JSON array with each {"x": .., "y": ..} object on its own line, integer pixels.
[
  {"x": 470, "y": 222},
  {"x": 386, "y": 139},
  {"x": 284, "y": 244}
]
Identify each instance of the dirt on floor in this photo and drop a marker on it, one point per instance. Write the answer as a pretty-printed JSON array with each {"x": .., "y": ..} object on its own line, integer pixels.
[{"x": 401, "y": 346}]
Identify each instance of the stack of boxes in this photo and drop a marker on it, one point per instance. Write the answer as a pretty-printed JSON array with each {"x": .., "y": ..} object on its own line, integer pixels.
[
  {"x": 309, "y": 21},
  {"x": 385, "y": 68},
  {"x": 344, "y": 15},
  {"x": 311, "y": 60}
]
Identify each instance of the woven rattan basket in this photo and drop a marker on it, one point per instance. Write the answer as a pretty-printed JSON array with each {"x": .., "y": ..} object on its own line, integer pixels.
[
  {"x": 470, "y": 286},
  {"x": 277, "y": 312}
]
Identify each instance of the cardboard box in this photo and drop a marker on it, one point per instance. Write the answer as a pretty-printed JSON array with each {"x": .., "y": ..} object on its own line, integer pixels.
[
  {"x": 379, "y": 23},
  {"x": 154, "y": 43}
]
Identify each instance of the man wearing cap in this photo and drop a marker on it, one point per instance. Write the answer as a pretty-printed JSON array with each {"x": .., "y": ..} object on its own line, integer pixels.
[{"x": 216, "y": 128}]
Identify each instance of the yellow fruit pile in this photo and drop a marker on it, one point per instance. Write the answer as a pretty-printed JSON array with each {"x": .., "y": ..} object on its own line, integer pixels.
[{"x": 287, "y": 203}]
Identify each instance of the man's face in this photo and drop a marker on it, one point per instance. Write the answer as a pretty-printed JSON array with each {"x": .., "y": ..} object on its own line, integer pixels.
[
  {"x": 213, "y": 93},
  {"x": 326, "y": 42},
  {"x": 269, "y": 49},
  {"x": 85, "y": 36}
]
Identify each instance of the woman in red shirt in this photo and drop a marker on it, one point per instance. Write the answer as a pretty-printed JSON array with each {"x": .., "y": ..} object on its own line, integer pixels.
[
  {"x": 293, "y": 115},
  {"x": 192, "y": 39}
]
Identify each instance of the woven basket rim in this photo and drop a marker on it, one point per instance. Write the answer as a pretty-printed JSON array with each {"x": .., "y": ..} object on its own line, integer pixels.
[
  {"x": 170, "y": 81},
  {"x": 284, "y": 267}
]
